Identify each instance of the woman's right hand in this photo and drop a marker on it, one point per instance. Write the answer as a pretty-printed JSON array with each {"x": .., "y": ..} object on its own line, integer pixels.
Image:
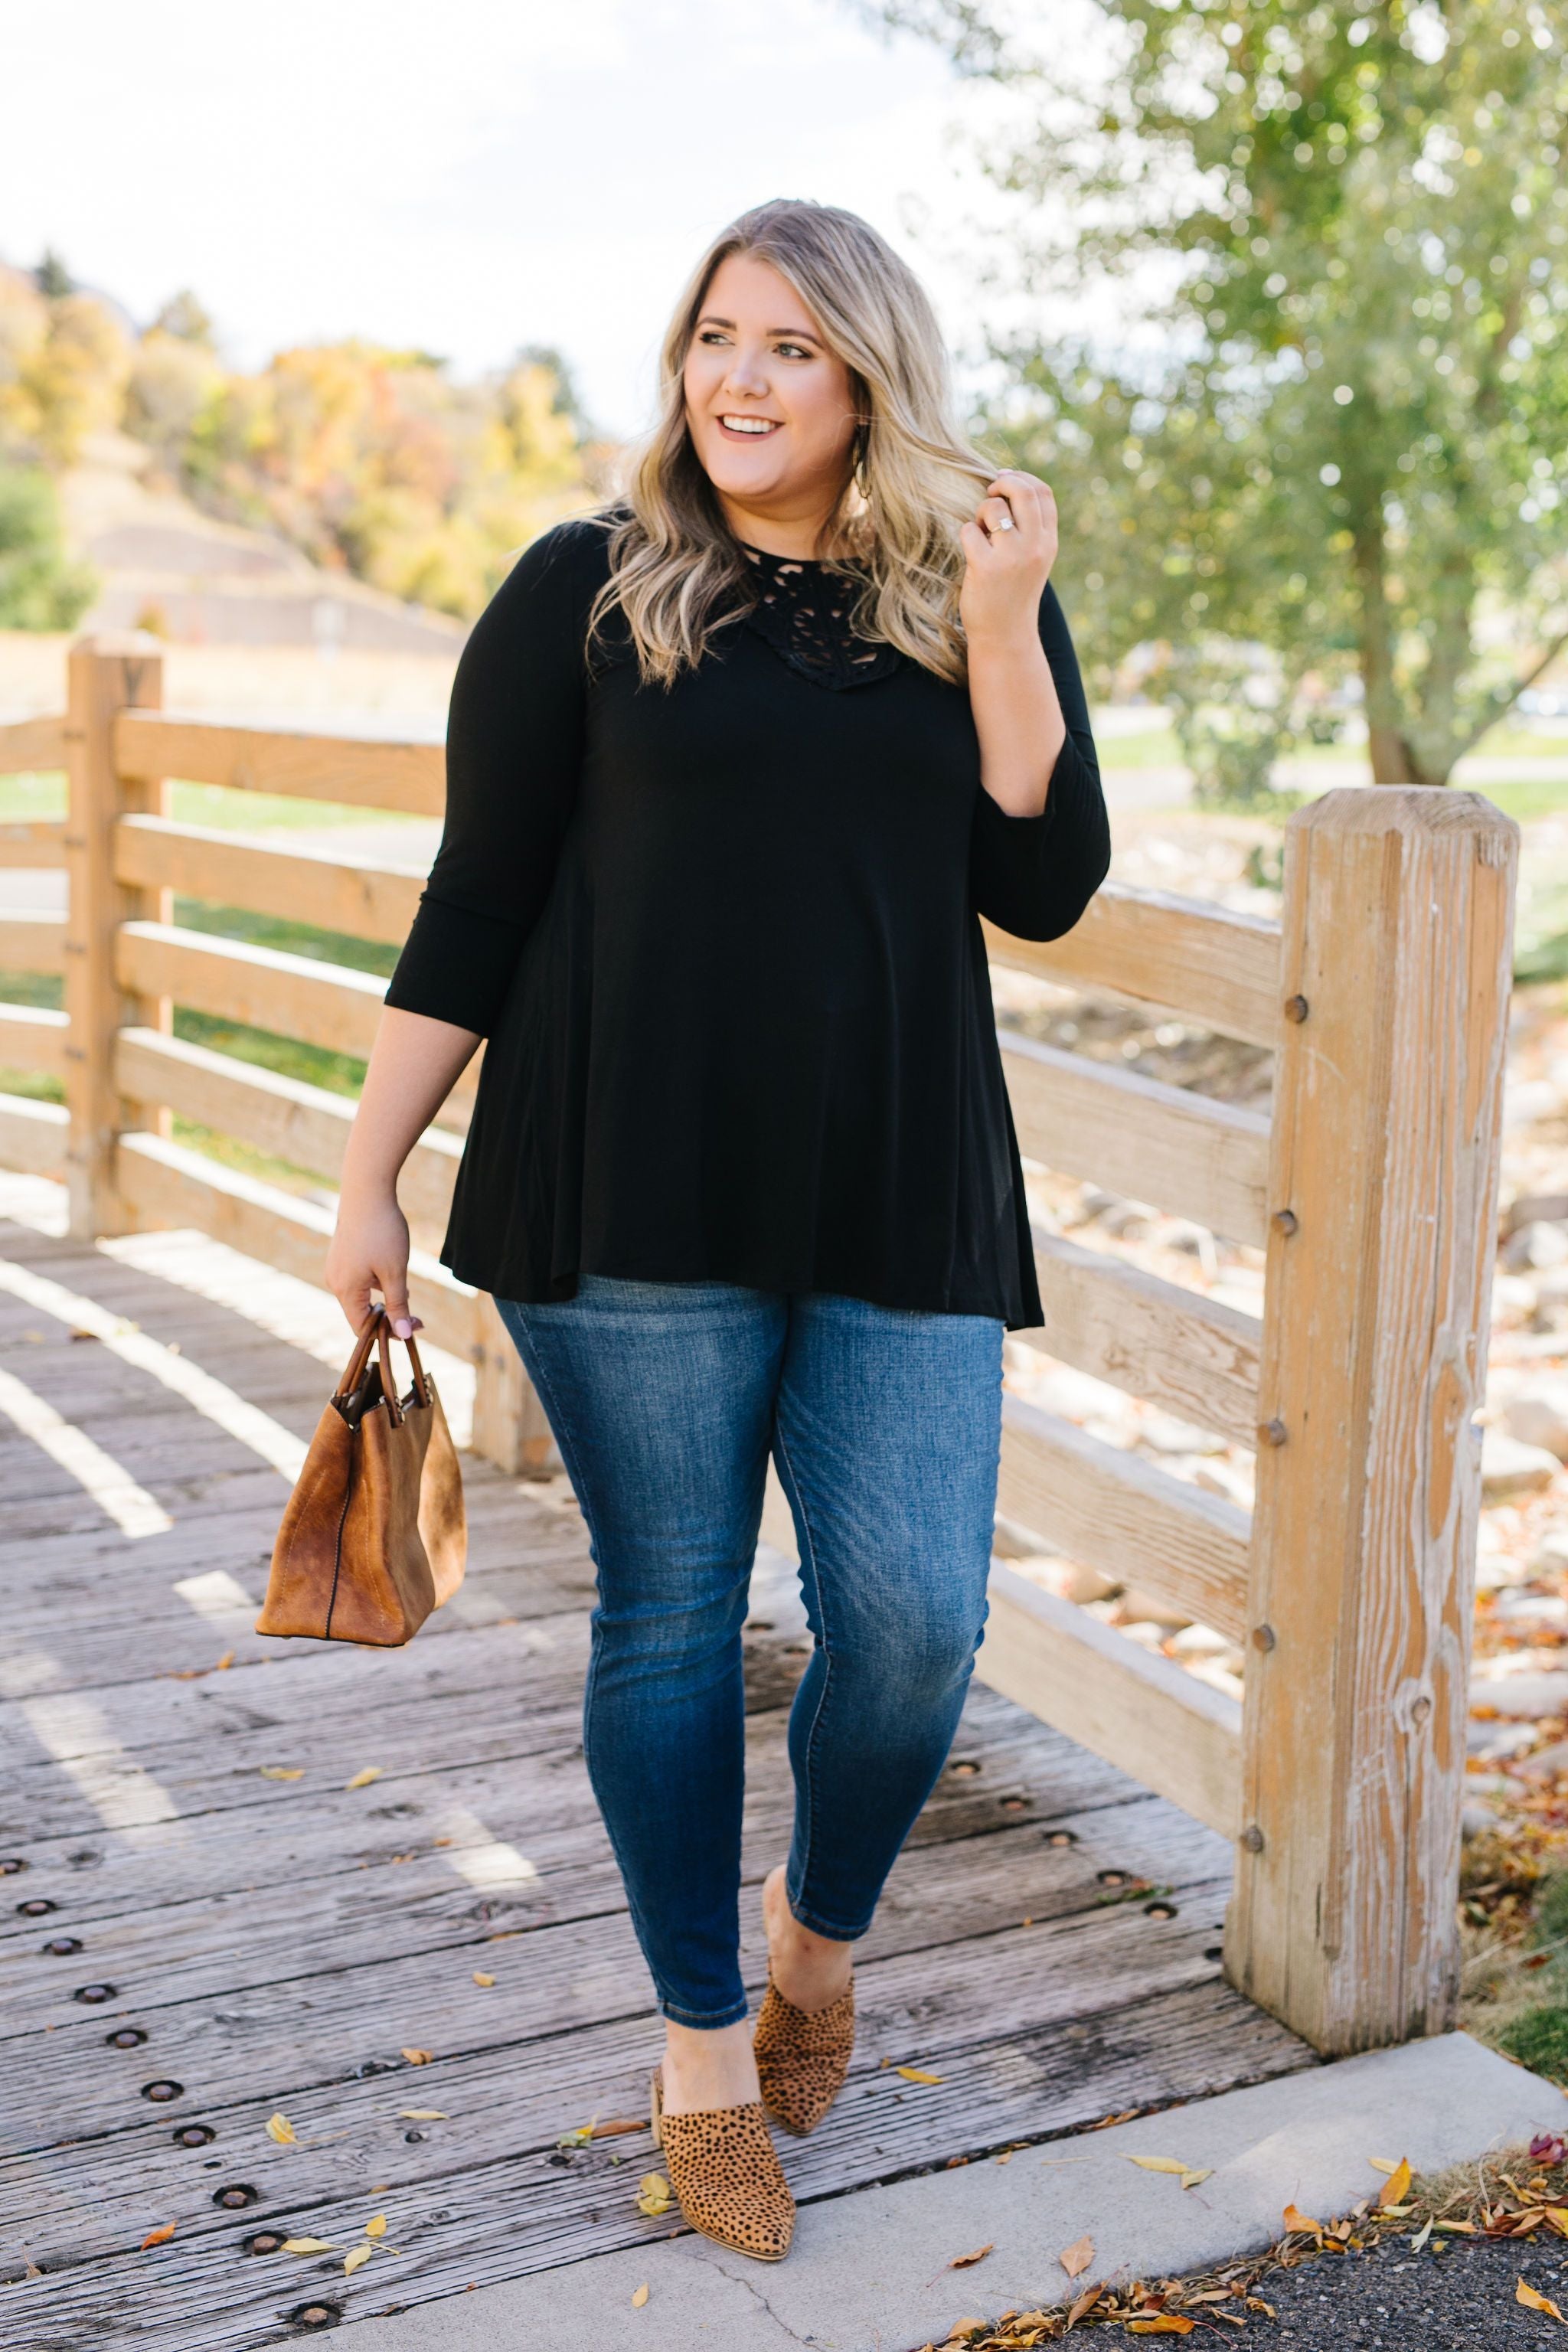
[{"x": 370, "y": 1252}]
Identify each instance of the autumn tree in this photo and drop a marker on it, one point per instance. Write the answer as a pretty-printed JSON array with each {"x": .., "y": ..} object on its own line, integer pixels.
[{"x": 1337, "y": 428}]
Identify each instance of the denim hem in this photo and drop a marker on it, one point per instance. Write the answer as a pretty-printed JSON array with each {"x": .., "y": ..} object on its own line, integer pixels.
[
  {"x": 711, "y": 2021},
  {"x": 833, "y": 1928}
]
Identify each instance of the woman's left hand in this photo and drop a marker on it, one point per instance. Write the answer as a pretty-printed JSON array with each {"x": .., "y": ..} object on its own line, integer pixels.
[{"x": 1007, "y": 568}]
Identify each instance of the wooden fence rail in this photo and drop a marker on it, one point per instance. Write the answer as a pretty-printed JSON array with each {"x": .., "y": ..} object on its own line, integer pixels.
[{"x": 1371, "y": 1187}]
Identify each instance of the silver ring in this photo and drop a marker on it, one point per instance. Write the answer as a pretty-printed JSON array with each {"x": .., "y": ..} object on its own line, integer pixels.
[{"x": 1005, "y": 522}]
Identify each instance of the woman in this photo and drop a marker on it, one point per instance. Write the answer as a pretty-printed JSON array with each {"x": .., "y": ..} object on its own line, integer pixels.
[{"x": 732, "y": 767}]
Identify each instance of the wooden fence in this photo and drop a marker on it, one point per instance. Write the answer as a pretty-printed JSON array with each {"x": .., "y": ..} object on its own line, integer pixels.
[{"x": 1371, "y": 1187}]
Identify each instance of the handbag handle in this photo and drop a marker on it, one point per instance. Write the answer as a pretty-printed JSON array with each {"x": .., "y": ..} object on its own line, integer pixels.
[{"x": 377, "y": 1333}]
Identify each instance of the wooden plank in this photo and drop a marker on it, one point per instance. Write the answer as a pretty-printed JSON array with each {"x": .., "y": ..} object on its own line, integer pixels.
[
  {"x": 1177, "y": 1734},
  {"x": 405, "y": 774},
  {"x": 32, "y": 1136},
  {"x": 1180, "y": 1151},
  {"x": 294, "y": 996},
  {"x": 1398, "y": 930},
  {"x": 443, "y": 2193},
  {"x": 1209, "y": 964},
  {"x": 33, "y": 746},
  {"x": 32, "y": 1038},
  {"x": 38, "y": 842},
  {"x": 1194, "y": 1355},
  {"x": 1111, "y": 1510},
  {"x": 163, "y": 1185},
  {"x": 305, "y": 1125},
  {"x": 32, "y": 943},
  {"x": 300, "y": 884}
]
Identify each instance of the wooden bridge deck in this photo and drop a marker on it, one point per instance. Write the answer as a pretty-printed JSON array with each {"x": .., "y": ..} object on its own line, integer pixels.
[{"x": 213, "y": 1914}]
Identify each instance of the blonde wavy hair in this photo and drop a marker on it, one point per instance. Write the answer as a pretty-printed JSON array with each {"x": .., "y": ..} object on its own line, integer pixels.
[{"x": 676, "y": 573}]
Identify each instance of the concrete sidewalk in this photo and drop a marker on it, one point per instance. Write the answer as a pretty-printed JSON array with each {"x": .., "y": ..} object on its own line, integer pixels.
[{"x": 869, "y": 2271}]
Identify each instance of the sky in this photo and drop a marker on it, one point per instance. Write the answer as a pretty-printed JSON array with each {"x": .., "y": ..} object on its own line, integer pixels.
[{"x": 467, "y": 175}]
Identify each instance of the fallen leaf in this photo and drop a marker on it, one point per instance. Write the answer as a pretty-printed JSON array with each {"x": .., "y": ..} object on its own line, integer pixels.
[
  {"x": 225, "y": 1662},
  {"x": 480, "y": 1979},
  {"x": 913, "y": 2075},
  {"x": 1549, "y": 2148},
  {"x": 376, "y": 2226},
  {"x": 614, "y": 2125},
  {"x": 1465, "y": 2228},
  {"x": 1193, "y": 2179},
  {"x": 416, "y": 2057},
  {"x": 1168, "y": 2323},
  {"x": 1166, "y": 2164},
  {"x": 1419, "y": 2240},
  {"x": 1397, "y": 2187},
  {"x": 354, "y": 2257},
  {"x": 1076, "y": 2257},
  {"x": 160, "y": 2236},
  {"x": 362, "y": 1779},
  {"x": 307, "y": 2246},
  {"x": 280, "y": 2128},
  {"x": 1384, "y": 2163},
  {"x": 1084, "y": 2304},
  {"x": 967, "y": 2261},
  {"x": 1525, "y": 2294},
  {"x": 640, "y": 2296},
  {"x": 1295, "y": 2219},
  {"x": 282, "y": 1771},
  {"x": 653, "y": 2193},
  {"x": 425, "y": 2115}
]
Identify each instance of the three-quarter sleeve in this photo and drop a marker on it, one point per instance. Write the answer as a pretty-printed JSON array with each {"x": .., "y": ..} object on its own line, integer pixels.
[
  {"x": 514, "y": 744},
  {"x": 1033, "y": 876}
]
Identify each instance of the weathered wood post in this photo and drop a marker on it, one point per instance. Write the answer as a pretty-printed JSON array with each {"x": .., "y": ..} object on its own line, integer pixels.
[
  {"x": 106, "y": 675},
  {"x": 1395, "y": 968},
  {"x": 509, "y": 1426}
]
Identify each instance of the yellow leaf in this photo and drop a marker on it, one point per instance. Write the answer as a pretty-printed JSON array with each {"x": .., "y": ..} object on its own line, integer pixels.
[
  {"x": 1076, "y": 2257},
  {"x": 967, "y": 2261},
  {"x": 1397, "y": 2187},
  {"x": 158, "y": 2237},
  {"x": 1295, "y": 2219},
  {"x": 1192, "y": 2179},
  {"x": 1465, "y": 2228},
  {"x": 425, "y": 2115},
  {"x": 280, "y": 2128},
  {"x": 913, "y": 2075},
  {"x": 376, "y": 2226},
  {"x": 480, "y": 1979},
  {"x": 1164, "y": 2164},
  {"x": 362, "y": 1779},
  {"x": 640, "y": 2296},
  {"x": 1084, "y": 2304},
  {"x": 282, "y": 1771},
  {"x": 1384, "y": 2163},
  {"x": 653, "y": 2193},
  {"x": 225, "y": 1662},
  {"x": 1168, "y": 2323},
  {"x": 1526, "y": 2294},
  {"x": 416, "y": 2057},
  {"x": 307, "y": 2246},
  {"x": 354, "y": 2257}
]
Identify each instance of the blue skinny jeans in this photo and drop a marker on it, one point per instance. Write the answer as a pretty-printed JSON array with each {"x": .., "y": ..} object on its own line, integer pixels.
[{"x": 666, "y": 1400}]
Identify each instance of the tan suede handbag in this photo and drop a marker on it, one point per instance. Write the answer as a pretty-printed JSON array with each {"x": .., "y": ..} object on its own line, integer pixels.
[{"x": 374, "y": 1535}]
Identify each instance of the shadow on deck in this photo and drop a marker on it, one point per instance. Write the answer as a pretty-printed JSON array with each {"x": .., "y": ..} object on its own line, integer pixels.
[{"x": 247, "y": 1880}]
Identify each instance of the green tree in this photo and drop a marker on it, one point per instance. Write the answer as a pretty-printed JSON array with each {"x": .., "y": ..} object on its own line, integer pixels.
[
  {"x": 1339, "y": 429},
  {"x": 52, "y": 278},
  {"x": 40, "y": 586}
]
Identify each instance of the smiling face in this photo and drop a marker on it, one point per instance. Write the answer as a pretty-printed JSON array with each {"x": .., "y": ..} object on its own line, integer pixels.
[{"x": 770, "y": 409}]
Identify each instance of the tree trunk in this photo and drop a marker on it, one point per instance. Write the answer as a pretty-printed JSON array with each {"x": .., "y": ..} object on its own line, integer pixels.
[{"x": 1393, "y": 761}]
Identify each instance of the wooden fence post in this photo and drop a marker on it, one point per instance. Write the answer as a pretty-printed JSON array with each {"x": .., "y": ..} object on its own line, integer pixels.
[
  {"x": 509, "y": 1426},
  {"x": 106, "y": 675},
  {"x": 1383, "y": 1198}
]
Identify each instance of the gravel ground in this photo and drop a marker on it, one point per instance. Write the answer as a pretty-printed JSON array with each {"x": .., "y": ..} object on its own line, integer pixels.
[{"x": 1390, "y": 2300}]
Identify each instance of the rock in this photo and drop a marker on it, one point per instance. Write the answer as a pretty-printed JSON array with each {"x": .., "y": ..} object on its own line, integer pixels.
[
  {"x": 1549, "y": 1557},
  {"x": 1138, "y": 1604},
  {"x": 1534, "y": 1609},
  {"x": 1538, "y": 1415},
  {"x": 1535, "y": 1208},
  {"x": 1167, "y": 1434},
  {"x": 1494, "y": 1743},
  {"x": 1475, "y": 1821},
  {"x": 1550, "y": 1312},
  {"x": 1547, "y": 1763},
  {"x": 1538, "y": 1245},
  {"x": 1509, "y": 1467},
  {"x": 1198, "y": 1642},
  {"x": 1527, "y": 1696}
]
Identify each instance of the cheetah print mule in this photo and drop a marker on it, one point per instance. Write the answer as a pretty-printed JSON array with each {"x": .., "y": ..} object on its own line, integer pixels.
[
  {"x": 802, "y": 2057},
  {"x": 726, "y": 2175}
]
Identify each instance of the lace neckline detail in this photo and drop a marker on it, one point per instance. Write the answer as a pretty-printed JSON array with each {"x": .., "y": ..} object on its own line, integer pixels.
[{"x": 803, "y": 610}]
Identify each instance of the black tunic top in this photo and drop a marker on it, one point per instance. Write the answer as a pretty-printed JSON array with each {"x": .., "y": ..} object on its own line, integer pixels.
[{"x": 722, "y": 938}]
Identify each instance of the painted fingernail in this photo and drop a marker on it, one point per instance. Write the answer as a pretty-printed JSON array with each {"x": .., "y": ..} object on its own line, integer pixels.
[{"x": 403, "y": 1327}]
